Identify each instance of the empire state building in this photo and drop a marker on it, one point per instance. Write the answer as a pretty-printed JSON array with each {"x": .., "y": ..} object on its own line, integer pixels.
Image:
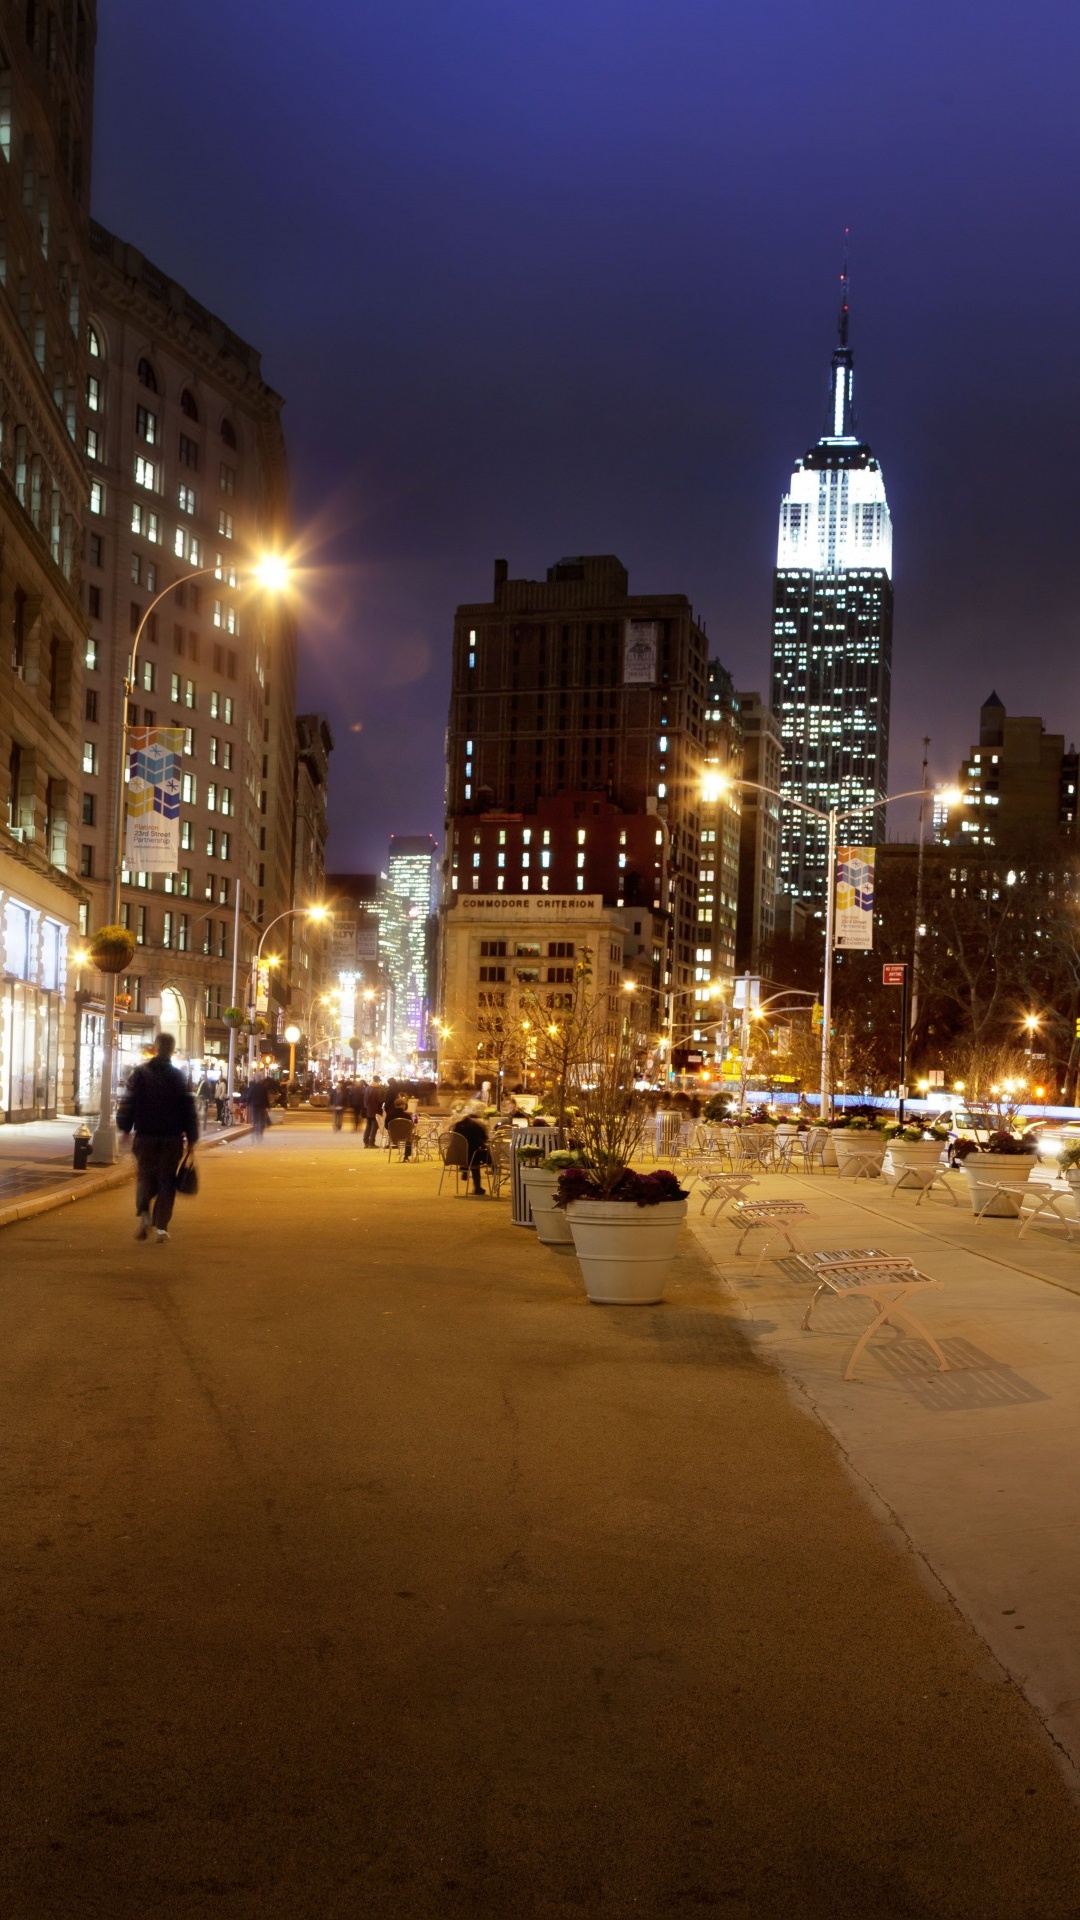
[{"x": 832, "y": 639}]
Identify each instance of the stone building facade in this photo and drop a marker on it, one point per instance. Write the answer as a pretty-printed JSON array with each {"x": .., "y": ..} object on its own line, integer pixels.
[
  {"x": 189, "y": 486},
  {"x": 46, "y": 79}
]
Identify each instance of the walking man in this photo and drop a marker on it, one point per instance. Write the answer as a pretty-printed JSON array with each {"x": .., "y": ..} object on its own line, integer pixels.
[{"x": 158, "y": 1106}]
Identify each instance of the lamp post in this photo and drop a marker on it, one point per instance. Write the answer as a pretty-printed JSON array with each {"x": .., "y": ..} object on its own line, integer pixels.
[
  {"x": 292, "y": 1035},
  {"x": 313, "y": 913},
  {"x": 271, "y": 574},
  {"x": 714, "y": 788}
]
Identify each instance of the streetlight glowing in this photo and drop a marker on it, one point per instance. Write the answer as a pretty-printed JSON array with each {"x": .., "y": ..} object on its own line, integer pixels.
[
  {"x": 950, "y": 796},
  {"x": 317, "y": 913},
  {"x": 1031, "y": 1021},
  {"x": 79, "y": 957},
  {"x": 271, "y": 572},
  {"x": 713, "y": 787},
  {"x": 629, "y": 986},
  {"x": 292, "y": 1035}
]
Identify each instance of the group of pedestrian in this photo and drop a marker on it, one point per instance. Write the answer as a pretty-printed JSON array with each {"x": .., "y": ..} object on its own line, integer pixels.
[{"x": 372, "y": 1102}]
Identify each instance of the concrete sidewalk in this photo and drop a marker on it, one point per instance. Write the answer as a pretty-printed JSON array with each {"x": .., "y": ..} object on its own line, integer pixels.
[
  {"x": 977, "y": 1465},
  {"x": 36, "y": 1171},
  {"x": 358, "y": 1567}
]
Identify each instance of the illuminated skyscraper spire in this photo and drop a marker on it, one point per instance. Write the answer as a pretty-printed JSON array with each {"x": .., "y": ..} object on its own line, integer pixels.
[{"x": 832, "y": 630}]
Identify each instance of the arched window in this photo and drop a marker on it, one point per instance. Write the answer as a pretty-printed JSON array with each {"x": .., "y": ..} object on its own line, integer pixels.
[
  {"x": 228, "y": 433},
  {"x": 188, "y": 404},
  {"x": 147, "y": 376},
  {"x": 93, "y": 343}
]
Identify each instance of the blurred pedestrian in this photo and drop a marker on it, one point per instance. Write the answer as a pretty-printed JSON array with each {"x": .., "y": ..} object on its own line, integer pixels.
[
  {"x": 474, "y": 1132},
  {"x": 339, "y": 1094},
  {"x": 374, "y": 1105},
  {"x": 258, "y": 1105},
  {"x": 357, "y": 1103},
  {"x": 158, "y": 1108}
]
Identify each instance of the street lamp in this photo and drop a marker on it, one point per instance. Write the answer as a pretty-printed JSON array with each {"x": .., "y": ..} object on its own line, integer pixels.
[
  {"x": 271, "y": 574},
  {"x": 313, "y": 913},
  {"x": 292, "y": 1035},
  {"x": 713, "y": 788}
]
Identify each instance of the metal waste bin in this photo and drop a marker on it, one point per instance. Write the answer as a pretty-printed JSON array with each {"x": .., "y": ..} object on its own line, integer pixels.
[
  {"x": 83, "y": 1141},
  {"x": 548, "y": 1137}
]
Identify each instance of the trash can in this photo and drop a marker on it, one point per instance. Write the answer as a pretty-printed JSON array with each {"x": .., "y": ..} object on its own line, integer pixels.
[{"x": 83, "y": 1140}]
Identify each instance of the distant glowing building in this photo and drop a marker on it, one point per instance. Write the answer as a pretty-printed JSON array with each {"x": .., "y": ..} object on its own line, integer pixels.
[
  {"x": 832, "y": 639},
  {"x": 405, "y": 929}
]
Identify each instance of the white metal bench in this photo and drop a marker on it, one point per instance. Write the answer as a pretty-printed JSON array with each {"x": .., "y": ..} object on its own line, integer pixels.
[
  {"x": 775, "y": 1217},
  {"x": 926, "y": 1179},
  {"x": 1048, "y": 1200},
  {"x": 720, "y": 1186},
  {"x": 885, "y": 1280}
]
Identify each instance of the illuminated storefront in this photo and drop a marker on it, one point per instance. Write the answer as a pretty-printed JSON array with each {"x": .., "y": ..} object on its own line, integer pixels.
[{"x": 35, "y": 1040}]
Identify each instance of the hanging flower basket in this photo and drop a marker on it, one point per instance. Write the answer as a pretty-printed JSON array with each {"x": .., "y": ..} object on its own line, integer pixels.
[
  {"x": 112, "y": 949},
  {"x": 234, "y": 1016}
]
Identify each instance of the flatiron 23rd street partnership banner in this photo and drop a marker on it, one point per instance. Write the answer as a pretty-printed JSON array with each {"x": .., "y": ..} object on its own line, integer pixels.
[
  {"x": 854, "y": 898},
  {"x": 152, "y": 841}
]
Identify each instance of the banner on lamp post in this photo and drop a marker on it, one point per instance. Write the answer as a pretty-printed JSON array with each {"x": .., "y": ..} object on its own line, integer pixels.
[
  {"x": 854, "y": 929},
  {"x": 152, "y": 839}
]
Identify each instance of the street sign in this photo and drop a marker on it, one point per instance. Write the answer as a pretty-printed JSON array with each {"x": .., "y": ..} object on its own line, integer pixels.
[{"x": 893, "y": 976}]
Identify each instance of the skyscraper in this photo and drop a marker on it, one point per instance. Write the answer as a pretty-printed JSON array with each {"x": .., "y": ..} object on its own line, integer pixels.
[
  {"x": 832, "y": 637},
  {"x": 405, "y": 936}
]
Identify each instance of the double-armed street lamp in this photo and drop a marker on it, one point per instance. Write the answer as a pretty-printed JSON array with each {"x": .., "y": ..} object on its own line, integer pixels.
[
  {"x": 271, "y": 574},
  {"x": 714, "y": 788},
  {"x": 315, "y": 913}
]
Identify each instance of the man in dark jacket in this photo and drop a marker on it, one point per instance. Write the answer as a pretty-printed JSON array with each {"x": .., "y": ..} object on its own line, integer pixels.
[
  {"x": 374, "y": 1104},
  {"x": 159, "y": 1107}
]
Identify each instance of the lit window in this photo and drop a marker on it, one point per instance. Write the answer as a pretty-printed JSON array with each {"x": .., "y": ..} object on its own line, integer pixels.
[
  {"x": 89, "y": 757},
  {"x": 186, "y": 499},
  {"x": 97, "y": 497},
  {"x": 93, "y": 393},
  {"x": 188, "y": 789},
  {"x": 145, "y": 473}
]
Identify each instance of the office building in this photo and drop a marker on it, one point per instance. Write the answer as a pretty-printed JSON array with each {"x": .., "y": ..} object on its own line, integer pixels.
[
  {"x": 575, "y": 702},
  {"x": 1019, "y": 785},
  {"x": 188, "y": 476},
  {"x": 759, "y": 834},
  {"x": 832, "y": 639},
  {"x": 46, "y": 81},
  {"x": 407, "y": 898}
]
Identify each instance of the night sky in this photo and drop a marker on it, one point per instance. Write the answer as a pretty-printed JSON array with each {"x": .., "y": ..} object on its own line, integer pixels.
[{"x": 545, "y": 277}]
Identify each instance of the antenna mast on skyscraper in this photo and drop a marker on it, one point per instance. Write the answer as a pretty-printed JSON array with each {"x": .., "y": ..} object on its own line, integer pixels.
[{"x": 845, "y": 287}]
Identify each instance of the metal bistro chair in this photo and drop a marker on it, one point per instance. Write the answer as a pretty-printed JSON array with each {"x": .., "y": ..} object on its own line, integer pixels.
[
  {"x": 454, "y": 1154},
  {"x": 813, "y": 1149},
  {"x": 500, "y": 1163},
  {"x": 399, "y": 1133}
]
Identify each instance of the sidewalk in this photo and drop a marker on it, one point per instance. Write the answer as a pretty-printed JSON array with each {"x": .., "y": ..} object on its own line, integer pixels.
[
  {"x": 36, "y": 1172},
  {"x": 977, "y": 1465}
]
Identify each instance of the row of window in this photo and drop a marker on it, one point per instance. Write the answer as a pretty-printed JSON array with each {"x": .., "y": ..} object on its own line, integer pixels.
[
  {"x": 177, "y": 931},
  {"x": 527, "y": 949},
  {"x": 529, "y": 975}
]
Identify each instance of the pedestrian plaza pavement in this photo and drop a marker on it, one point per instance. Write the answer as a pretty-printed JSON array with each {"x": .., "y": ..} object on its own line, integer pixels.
[{"x": 976, "y": 1466}]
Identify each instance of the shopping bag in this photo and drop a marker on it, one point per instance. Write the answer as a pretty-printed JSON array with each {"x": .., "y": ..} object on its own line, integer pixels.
[{"x": 187, "y": 1173}]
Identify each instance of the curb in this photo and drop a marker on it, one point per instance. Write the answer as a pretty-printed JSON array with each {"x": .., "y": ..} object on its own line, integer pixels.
[{"x": 62, "y": 1196}]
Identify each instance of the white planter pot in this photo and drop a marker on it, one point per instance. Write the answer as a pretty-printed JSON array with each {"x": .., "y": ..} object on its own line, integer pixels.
[
  {"x": 985, "y": 1170},
  {"x": 552, "y": 1226},
  {"x": 901, "y": 1154},
  {"x": 625, "y": 1250},
  {"x": 851, "y": 1148}
]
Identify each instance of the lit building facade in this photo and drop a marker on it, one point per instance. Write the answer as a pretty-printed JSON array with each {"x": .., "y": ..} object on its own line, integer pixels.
[
  {"x": 46, "y": 75},
  {"x": 405, "y": 942},
  {"x": 572, "y": 690},
  {"x": 188, "y": 471},
  {"x": 759, "y": 834},
  {"x": 832, "y": 639},
  {"x": 510, "y": 960},
  {"x": 1019, "y": 785}
]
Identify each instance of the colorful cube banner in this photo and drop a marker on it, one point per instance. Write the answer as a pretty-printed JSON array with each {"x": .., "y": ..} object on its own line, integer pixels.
[
  {"x": 152, "y": 840},
  {"x": 854, "y": 927}
]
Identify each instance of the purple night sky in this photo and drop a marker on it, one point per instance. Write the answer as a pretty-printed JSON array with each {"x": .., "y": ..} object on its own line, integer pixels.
[{"x": 540, "y": 277}]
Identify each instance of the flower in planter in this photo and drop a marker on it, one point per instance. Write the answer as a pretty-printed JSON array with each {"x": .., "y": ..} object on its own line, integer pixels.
[
  {"x": 1069, "y": 1158},
  {"x": 560, "y": 1161},
  {"x": 639, "y": 1189},
  {"x": 112, "y": 949}
]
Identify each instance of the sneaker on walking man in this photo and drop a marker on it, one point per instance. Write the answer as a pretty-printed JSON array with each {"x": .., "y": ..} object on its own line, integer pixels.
[{"x": 158, "y": 1106}]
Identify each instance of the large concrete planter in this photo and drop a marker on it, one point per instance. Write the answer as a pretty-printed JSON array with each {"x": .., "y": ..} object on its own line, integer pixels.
[
  {"x": 855, "y": 1146},
  {"x": 985, "y": 1170},
  {"x": 625, "y": 1251},
  {"x": 902, "y": 1154},
  {"x": 552, "y": 1226}
]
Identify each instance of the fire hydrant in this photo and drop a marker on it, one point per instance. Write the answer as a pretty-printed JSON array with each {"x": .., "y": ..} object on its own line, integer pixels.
[{"x": 82, "y": 1141}]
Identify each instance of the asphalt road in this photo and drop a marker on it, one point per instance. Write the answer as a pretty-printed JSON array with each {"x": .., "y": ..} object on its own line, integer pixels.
[{"x": 355, "y": 1566}]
